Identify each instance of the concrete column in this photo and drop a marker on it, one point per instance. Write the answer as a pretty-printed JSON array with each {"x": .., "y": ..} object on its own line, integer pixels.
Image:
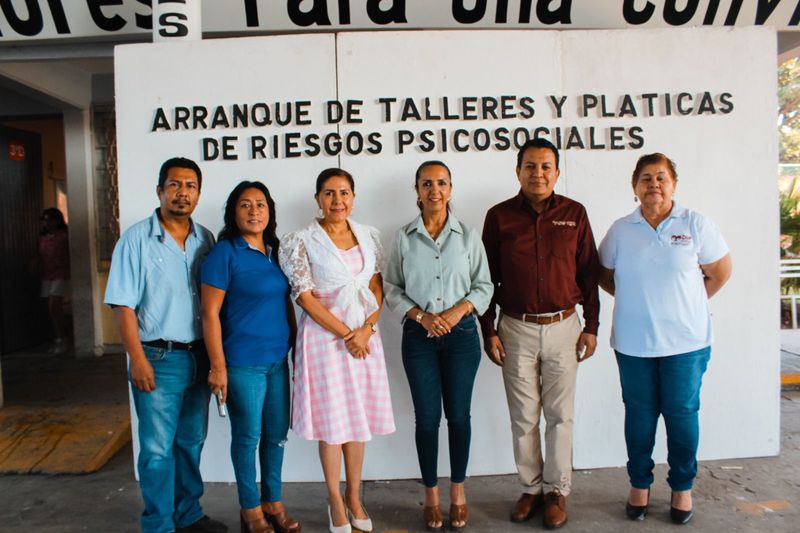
[
  {"x": 86, "y": 297},
  {"x": 177, "y": 20}
]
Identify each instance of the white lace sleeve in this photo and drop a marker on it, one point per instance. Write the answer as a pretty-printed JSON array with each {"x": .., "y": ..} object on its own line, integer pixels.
[
  {"x": 293, "y": 259},
  {"x": 379, "y": 257}
]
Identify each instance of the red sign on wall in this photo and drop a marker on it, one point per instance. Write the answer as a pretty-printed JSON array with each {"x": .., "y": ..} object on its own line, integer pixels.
[{"x": 16, "y": 151}]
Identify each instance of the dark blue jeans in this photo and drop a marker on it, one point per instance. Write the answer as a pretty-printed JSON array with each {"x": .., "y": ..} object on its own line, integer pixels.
[
  {"x": 442, "y": 370},
  {"x": 258, "y": 402},
  {"x": 668, "y": 386},
  {"x": 173, "y": 421}
]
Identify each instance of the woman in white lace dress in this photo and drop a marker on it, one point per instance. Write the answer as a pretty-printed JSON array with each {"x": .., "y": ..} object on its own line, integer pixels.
[{"x": 341, "y": 391}]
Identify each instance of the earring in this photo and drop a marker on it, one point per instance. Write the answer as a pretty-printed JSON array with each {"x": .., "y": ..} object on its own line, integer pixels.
[
  {"x": 319, "y": 212},
  {"x": 636, "y": 199},
  {"x": 419, "y": 203}
]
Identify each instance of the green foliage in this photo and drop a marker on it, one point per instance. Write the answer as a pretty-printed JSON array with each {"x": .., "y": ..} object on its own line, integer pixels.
[{"x": 789, "y": 110}]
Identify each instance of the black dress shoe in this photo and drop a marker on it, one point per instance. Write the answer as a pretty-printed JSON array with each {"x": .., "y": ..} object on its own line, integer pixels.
[
  {"x": 637, "y": 512},
  {"x": 204, "y": 525},
  {"x": 680, "y": 517}
]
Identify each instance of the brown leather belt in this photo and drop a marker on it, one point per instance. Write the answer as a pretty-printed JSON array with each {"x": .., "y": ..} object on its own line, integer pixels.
[
  {"x": 174, "y": 345},
  {"x": 540, "y": 319}
]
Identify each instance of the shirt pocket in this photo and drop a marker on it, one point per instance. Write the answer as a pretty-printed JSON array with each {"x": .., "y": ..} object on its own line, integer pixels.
[{"x": 564, "y": 242}]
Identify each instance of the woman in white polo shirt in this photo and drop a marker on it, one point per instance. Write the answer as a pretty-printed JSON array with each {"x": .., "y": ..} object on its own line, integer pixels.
[{"x": 662, "y": 263}]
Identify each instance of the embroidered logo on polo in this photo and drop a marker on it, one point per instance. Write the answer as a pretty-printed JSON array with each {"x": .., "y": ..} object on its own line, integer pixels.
[
  {"x": 681, "y": 240},
  {"x": 570, "y": 223}
]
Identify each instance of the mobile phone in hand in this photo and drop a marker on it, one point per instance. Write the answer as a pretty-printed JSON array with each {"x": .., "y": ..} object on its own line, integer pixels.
[{"x": 220, "y": 404}]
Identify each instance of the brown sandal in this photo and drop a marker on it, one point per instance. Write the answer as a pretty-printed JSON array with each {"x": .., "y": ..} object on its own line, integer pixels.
[
  {"x": 458, "y": 513},
  {"x": 432, "y": 515},
  {"x": 283, "y": 523}
]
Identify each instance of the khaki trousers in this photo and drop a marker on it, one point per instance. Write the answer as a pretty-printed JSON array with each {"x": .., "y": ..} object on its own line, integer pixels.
[{"x": 539, "y": 373}]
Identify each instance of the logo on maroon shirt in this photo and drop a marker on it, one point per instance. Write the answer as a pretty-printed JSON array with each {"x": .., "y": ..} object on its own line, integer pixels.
[
  {"x": 570, "y": 223},
  {"x": 681, "y": 240}
]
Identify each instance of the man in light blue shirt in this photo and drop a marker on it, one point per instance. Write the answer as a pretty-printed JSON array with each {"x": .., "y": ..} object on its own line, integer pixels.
[{"x": 153, "y": 289}]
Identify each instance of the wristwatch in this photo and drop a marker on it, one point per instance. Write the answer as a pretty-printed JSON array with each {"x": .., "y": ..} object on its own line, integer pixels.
[
  {"x": 418, "y": 318},
  {"x": 372, "y": 326}
]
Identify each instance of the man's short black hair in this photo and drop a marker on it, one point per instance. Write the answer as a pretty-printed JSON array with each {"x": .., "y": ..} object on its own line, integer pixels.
[
  {"x": 536, "y": 143},
  {"x": 179, "y": 162}
]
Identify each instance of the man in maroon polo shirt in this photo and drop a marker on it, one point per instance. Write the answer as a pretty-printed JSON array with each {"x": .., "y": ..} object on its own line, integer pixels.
[{"x": 543, "y": 262}]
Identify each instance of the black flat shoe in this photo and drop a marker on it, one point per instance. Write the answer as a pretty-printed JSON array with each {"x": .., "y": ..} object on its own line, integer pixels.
[
  {"x": 680, "y": 517},
  {"x": 637, "y": 512}
]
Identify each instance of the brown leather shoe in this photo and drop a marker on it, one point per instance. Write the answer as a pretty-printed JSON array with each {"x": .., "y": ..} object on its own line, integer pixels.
[
  {"x": 526, "y": 507},
  {"x": 555, "y": 510},
  {"x": 283, "y": 523},
  {"x": 253, "y": 521}
]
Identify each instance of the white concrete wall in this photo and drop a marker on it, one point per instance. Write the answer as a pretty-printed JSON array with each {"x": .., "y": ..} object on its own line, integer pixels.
[{"x": 727, "y": 166}]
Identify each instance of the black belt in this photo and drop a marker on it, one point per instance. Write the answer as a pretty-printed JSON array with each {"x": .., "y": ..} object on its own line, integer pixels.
[{"x": 174, "y": 345}]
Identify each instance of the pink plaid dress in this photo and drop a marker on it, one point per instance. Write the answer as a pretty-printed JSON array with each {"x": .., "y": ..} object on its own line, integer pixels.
[{"x": 338, "y": 398}]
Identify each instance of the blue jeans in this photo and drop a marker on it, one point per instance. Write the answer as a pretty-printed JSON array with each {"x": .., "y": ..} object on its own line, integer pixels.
[
  {"x": 258, "y": 403},
  {"x": 173, "y": 422},
  {"x": 442, "y": 370},
  {"x": 668, "y": 386}
]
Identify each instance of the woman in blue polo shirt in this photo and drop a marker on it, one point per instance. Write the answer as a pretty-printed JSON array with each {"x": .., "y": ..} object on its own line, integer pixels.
[
  {"x": 662, "y": 263},
  {"x": 249, "y": 327}
]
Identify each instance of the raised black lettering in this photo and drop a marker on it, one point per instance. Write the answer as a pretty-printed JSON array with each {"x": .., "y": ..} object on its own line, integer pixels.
[
  {"x": 616, "y": 133},
  {"x": 648, "y": 98},
  {"x": 210, "y": 148},
  {"x": 229, "y": 148},
  {"x": 219, "y": 120},
  {"x": 627, "y": 107},
  {"x": 481, "y": 139},
  {"x": 199, "y": 114},
  {"x": 501, "y": 14},
  {"x": 387, "y": 108},
  {"x": 589, "y": 102},
  {"x": 312, "y": 141},
  {"x": 358, "y": 147},
  {"x": 160, "y": 122},
  {"x": 469, "y": 108},
  {"x": 259, "y": 114},
  {"x": 182, "y": 115},
  {"x": 526, "y": 103},
  {"x": 409, "y": 110},
  {"x": 679, "y": 104},
  {"x": 291, "y": 144},
  {"x": 558, "y": 104},
  {"x": 335, "y": 111},
  {"x": 592, "y": 144},
  {"x": 344, "y": 11},
  {"x": 354, "y": 111},
  {"x": 574, "y": 139},
  {"x": 706, "y": 104},
  {"x": 404, "y": 138},
  {"x": 726, "y": 104},
  {"x": 489, "y": 107},
  {"x": 795, "y": 20},
  {"x": 457, "y": 146},
  {"x": 637, "y": 141},
  {"x": 634, "y": 16},
  {"x": 257, "y": 145},
  {"x": 302, "y": 110},
  {"x": 374, "y": 140},
  {"x": 501, "y": 136}
]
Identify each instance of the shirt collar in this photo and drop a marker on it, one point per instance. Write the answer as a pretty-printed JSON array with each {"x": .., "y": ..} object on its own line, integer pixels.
[
  {"x": 678, "y": 211},
  {"x": 521, "y": 202},
  {"x": 157, "y": 230},
  {"x": 239, "y": 242},
  {"x": 418, "y": 225}
]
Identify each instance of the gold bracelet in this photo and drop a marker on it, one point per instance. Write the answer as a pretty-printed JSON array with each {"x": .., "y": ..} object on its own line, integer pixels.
[{"x": 419, "y": 316}]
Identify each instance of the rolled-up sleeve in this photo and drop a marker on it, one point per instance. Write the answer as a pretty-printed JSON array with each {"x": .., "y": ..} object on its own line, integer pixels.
[{"x": 124, "y": 287}]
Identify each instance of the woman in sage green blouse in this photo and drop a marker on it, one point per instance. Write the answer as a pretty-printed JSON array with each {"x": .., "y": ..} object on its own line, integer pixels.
[{"x": 438, "y": 279}]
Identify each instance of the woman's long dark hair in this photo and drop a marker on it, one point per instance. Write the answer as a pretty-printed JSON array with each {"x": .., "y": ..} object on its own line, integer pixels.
[
  {"x": 230, "y": 230},
  {"x": 55, "y": 214}
]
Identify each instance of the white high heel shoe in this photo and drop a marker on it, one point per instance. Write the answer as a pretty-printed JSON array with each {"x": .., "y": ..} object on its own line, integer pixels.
[
  {"x": 338, "y": 529},
  {"x": 362, "y": 524}
]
